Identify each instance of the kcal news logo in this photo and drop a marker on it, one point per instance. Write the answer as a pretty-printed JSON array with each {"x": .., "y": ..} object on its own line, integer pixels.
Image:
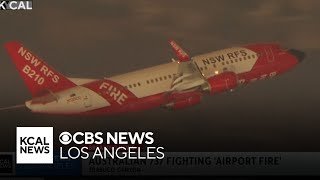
[
  {"x": 34, "y": 145},
  {"x": 16, "y": 5}
]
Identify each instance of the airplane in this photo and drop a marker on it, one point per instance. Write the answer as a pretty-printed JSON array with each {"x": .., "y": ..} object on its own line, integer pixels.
[{"x": 174, "y": 85}]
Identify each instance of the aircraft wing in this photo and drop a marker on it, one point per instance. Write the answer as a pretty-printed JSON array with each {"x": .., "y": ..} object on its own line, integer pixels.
[{"x": 191, "y": 76}]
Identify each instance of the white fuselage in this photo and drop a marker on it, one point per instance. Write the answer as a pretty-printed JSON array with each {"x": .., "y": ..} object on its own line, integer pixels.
[{"x": 158, "y": 79}]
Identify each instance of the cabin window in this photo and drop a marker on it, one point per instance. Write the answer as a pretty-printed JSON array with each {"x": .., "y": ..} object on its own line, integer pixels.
[
  {"x": 139, "y": 84},
  {"x": 170, "y": 76},
  {"x": 156, "y": 79},
  {"x": 148, "y": 82},
  {"x": 227, "y": 62},
  {"x": 160, "y": 78},
  {"x": 205, "y": 68},
  {"x": 231, "y": 61},
  {"x": 222, "y": 63},
  {"x": 249, "y": 57},
  {"x": 152, "y": 81},
  {"x": 134, "y": 85},
  {"x": 236, "y": 60},
  {"x": 73, "y": 95},
  {"x": 240, "y": 59},
  {"x": 130, "y": 86},
  {"x": 244, "y": 58},
  {"x": 165, "y": 77},
  {"x": 214, "y": 65},
  {"x": 201, "y": 68}
]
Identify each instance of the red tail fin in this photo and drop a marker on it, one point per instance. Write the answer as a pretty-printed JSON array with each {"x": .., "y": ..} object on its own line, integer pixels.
[{"x": 38, "y": 76}]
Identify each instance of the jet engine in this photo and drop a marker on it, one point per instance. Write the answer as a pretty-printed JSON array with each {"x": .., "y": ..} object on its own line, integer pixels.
[{"x": 222, "y": 82}]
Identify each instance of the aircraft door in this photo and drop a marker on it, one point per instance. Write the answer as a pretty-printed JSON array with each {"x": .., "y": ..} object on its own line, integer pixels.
[{"x": 87, "y": 100}]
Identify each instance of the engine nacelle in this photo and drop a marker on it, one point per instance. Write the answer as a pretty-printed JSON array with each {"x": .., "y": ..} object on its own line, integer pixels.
[
  {"x": 222, "y": 82},
  {"x": 185, "y": 102}
]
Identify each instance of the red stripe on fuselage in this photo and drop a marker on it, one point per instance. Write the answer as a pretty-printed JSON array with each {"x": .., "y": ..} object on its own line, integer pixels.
[
  {"x": 114, "y": 93},
  {"x": 145, "y": 103},
  {"x": 135, "y": 105}
]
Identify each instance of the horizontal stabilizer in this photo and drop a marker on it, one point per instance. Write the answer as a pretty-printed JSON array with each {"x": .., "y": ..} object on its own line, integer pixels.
[{"x": 13, "y": 107}]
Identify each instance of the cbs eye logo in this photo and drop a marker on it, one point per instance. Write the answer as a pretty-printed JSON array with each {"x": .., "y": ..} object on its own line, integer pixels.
[{"x": 65, "y": 138}]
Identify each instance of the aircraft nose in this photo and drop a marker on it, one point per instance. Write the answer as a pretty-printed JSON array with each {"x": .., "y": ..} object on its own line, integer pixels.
[{"x": 300, "y": 55}]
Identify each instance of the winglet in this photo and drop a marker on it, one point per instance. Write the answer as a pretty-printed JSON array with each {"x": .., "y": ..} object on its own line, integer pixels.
[{"x": 180, "y": 53}]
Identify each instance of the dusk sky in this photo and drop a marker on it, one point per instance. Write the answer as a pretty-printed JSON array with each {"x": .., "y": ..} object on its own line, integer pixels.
[{"x": 101, "y": 38}]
